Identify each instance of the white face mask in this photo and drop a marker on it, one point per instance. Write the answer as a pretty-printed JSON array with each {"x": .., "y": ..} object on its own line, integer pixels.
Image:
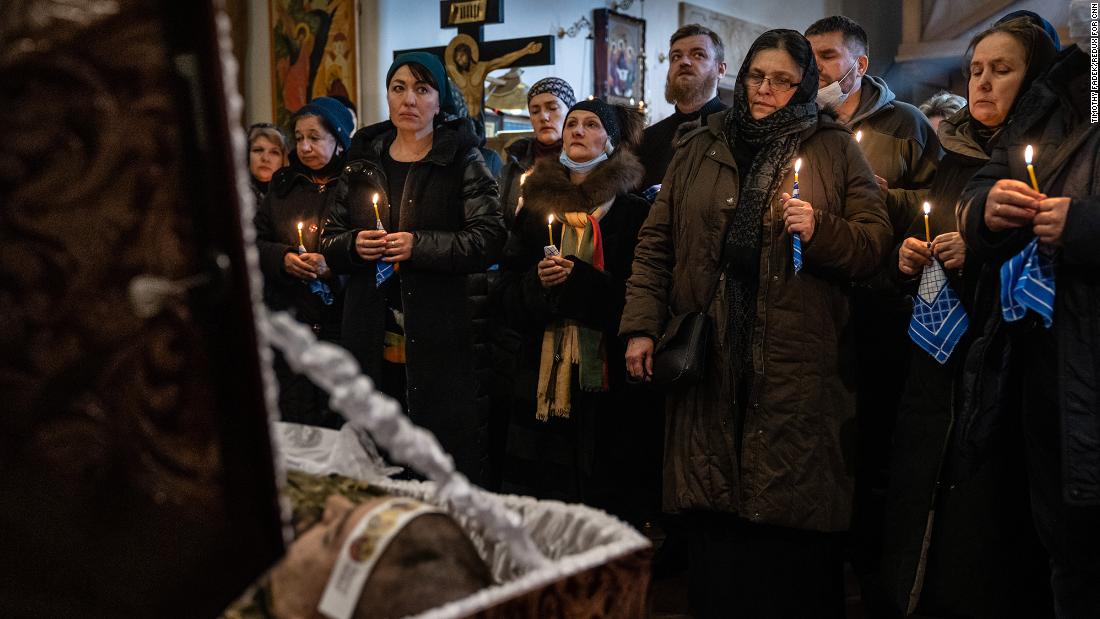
[{"x": 833, "y": 96}]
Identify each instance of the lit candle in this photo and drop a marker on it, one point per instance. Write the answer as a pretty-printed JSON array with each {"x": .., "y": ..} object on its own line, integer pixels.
[
  {"x": 377, "y": 218},
  {"x": 859, "y": 136},
  {"x": 301, "y": 245},
  {"x": 927, "y": 231},
  {"x": 550, "y": 228},
  {"x": 522, "y": 180},
  {"x": 641, "y": 105},
  {"x": 797, "y": 167},
  {"x": 1028, "y": 152}
]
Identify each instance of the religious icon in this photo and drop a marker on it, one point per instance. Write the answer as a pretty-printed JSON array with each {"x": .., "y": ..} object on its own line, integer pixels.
[
  {"x": 469, "y": 72},
  {"x": 313, "y": 53},
  {"x": 620, "y": 57}
]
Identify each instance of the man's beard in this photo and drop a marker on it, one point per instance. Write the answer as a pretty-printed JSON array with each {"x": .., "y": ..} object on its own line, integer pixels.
[{"x": 693, "y": 90}]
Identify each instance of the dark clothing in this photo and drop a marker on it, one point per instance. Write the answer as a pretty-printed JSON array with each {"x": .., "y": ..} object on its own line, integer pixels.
[
  {"x": 982, "y": 558},
  {"x": 259, "y": 189},
  {"x": 450, "y": 205},
  {"x": 587, "y": 456},
  {"x": 902, "y": 148},
  {"x": 1055, "y": 373},
  {"x": 296, "y": 196},
  {"x": 492, "y": 160},
  {"x": 522, "y": 156},
  {"x": 794, "y": 468},
  {"x": 758, "y": 571},
  {"x": 659, "y": 141}
]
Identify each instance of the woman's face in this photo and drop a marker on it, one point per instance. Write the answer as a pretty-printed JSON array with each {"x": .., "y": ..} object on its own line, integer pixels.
[
  {"x": 996, "y": 73},
  {"x": 314, "y": 144},
  {"x": 547, "y": 117},
  {"x": 413, "y": 104},
  {"x": 585, "y": 137},
  {"x": 779, "y": 77},
  {"x": 264, "y": 157}
]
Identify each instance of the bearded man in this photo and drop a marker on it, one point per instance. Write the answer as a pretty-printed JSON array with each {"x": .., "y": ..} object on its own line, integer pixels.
[{"x": 696, "y": 61}]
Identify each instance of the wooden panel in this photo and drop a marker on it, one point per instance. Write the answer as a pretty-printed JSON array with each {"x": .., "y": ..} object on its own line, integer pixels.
[{"x": 135, "y": 468}]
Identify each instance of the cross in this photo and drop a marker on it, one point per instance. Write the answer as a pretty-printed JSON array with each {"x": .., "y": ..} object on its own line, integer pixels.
[{"x": 469, "y": 58}]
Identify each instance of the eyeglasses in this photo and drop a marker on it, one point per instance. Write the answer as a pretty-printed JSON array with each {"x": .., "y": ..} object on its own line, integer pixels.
[{"x": 778, "y": 84}]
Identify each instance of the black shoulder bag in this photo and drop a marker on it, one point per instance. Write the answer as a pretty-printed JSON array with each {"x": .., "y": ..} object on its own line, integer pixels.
[{"x": 681, "y": 354}]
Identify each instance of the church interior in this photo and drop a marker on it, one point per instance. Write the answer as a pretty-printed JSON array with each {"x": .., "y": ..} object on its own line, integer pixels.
[{"x": 148, "y": 464}]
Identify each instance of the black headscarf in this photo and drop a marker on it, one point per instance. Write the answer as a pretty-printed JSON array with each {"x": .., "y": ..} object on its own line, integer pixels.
[{"x": 764, "y": 150}]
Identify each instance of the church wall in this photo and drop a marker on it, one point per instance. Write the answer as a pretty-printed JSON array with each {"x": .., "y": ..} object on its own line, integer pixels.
[{"x": 386, "y": 25}]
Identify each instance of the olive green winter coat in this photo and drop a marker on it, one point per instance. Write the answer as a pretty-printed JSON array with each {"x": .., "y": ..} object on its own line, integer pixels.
[{"x": 795, "y": 466}]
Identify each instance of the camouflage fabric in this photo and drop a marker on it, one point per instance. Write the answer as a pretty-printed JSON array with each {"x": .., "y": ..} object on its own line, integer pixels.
[{"x": 307, "y": 495}]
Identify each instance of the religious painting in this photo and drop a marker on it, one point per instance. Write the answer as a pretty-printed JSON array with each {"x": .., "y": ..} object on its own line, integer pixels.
[
  {"x": 619, "y": 57},
  {"x": 314, "y": 53},
  {"x": 736, "y": 34}
]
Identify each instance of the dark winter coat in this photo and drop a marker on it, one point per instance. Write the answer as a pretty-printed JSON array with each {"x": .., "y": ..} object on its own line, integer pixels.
[
  {"x": 901, "y": 147},
  {"x": 451, "y": 207},
  {"x": 599, "y": 439},
  {"x": 795, "y": 464},
  {"x": 1052, "y": 116},
  {"x": 983, "y": 557},
  {"x": 294, "y": 197}
]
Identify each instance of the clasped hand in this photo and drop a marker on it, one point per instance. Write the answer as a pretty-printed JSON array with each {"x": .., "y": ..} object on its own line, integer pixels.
[
  {"x": 374, "y": 245},
  {"x": 1015, "y": 204},
  {"x": 554, "y": 270},
  {"x": 916, "y": 254}
]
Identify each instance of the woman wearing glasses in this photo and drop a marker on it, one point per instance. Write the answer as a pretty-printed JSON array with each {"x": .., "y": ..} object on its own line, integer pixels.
[{"x": 758, "y": 452}]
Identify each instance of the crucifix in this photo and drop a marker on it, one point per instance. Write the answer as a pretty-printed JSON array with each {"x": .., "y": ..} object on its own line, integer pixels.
[{"x": 469, "y": 58}]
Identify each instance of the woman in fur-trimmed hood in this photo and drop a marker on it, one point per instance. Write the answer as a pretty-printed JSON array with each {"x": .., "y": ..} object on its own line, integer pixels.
[{"x": 572, "y": 406}]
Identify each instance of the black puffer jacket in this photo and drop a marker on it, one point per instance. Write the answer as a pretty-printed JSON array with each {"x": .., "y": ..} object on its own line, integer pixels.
[
  {"x": 1052, "y": 116},
  {"x": 451, "y": 207}
]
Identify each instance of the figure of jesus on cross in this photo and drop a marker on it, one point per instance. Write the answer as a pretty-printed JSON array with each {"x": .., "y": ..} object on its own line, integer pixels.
[{"x": 469, "y": 72}]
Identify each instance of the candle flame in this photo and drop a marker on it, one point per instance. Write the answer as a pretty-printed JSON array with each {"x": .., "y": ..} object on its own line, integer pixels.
[
  {"x": 797, "y": 165},
  {"x": 299, "y": 226},
  {"x": 523, "y": 178},
  {"x": 859, "y": 136},
  {"x": 374, "y": 198},
  {"x": 927, "y": 208},
  {"x": 1028, "y": 152},
  {"x": 641, "y": 105},
  {"x": 550, "y": 220}
]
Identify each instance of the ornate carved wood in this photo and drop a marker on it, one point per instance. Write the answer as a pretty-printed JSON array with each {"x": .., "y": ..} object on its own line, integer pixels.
[{"x": 135, "y": 468}]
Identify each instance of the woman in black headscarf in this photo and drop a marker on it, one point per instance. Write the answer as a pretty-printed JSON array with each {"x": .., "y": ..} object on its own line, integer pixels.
[
  {"x": 758, "y": 453},
  {"x": 980, "y": 555}
]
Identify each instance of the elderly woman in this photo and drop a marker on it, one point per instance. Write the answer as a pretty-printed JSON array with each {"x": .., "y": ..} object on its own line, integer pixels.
[
  {"x": 575, "y": 416},
  {"x": 266, "y": 154},
  {"x": 547, "y": 102},
  {"x": 421, "y": 214},
  {"x": 288, "y": 225},
  {"x": 980, "y": 555},
  {"x": 758, "y": 452},
  {"x": 1037, "y": 362}
]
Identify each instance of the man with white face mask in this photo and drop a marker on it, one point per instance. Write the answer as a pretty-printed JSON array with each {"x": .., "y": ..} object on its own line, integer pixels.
[
  {"x": 896, "y": 138},
  {"x": 903, "y": 151}
]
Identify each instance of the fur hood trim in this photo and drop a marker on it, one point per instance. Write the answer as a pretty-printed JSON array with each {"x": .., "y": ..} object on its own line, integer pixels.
[{"x": 548, "y": 189}]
